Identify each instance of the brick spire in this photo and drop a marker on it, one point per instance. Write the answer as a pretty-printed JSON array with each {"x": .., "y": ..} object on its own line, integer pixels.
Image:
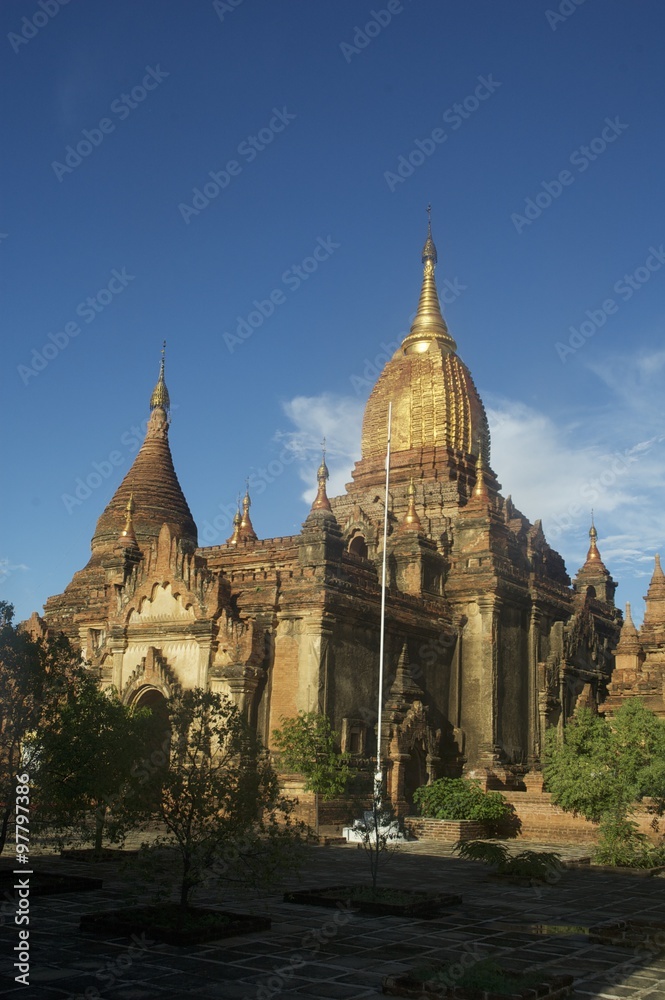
[
  {"x": 594, "y": 573},
  {"x": 653, "y": 626},
  {"x": 152, "y": 486},
  {"x": 629, "y": 640}
]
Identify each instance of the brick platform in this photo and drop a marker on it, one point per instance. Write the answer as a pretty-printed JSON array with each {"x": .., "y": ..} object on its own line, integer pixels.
[{"x": 444, "y": 830}]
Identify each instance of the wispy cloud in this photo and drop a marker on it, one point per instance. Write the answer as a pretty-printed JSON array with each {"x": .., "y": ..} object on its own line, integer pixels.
[
  {"x": 336, "y": 418},
  {"x": 7, "y": 568}
]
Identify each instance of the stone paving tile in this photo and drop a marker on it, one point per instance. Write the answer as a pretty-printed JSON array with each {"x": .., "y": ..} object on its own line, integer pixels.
[
  {"x": 336, "y": 991},
  {"x": 351, "y": 963}
]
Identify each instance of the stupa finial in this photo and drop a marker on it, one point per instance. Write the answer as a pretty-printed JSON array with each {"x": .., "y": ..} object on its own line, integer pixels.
[{"x": 160, "y": 394}]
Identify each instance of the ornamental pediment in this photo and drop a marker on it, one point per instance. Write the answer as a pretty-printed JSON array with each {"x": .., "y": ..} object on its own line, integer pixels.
[{"x": 163, "y": 606}]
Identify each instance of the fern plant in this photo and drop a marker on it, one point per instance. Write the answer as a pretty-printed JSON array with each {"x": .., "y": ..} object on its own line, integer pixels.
[{"x": 540, "y": 865}]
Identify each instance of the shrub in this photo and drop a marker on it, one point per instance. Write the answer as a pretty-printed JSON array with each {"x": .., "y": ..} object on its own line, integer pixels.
[
  {"x": 602, "y": 769},
  {"x": 461, "y": 798},
  {"x": 622, "y": 845},
  {"x": 540, "y": 865}
]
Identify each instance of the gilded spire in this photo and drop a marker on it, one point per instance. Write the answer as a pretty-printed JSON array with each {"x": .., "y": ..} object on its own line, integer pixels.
[
  {"x": 429, "y": 325},
  {"x": 411, "y": 519},
  {"x": 128, "y": 535},
  {"x": 246, "y": 527},
  {"x": 321, "y": 501},
  {"x": 593, "y": 557},
  {"x": 160, "y": 394},
  {"x": 480, "y": 489},
  {"x": 237, "y": 518}
]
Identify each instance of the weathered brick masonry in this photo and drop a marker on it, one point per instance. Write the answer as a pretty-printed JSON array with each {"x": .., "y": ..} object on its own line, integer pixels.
[{"x": 487, "y": 641}]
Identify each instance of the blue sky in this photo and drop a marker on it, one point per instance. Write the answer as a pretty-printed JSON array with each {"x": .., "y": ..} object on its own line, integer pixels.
[{"x": 534, "y": 130}]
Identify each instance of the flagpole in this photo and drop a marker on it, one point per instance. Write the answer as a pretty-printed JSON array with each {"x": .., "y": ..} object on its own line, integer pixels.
[{"x": 378, "y": 777}]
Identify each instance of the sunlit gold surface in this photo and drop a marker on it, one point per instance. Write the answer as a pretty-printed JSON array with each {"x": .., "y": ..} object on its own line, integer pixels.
[
  {"x": 160, "y": 394},
  {"x": 321, "y": 501},
  {"x": 411, "y": 518},
  {"x": 435, "y": 402}
]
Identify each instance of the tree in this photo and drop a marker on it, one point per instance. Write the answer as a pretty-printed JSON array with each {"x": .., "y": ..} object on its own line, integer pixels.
[
  {"x": 307, "y": 744},
  {"x": 86, "y": 762},
  {"x": 35, "y": 675},
  {"x": 378, "y": 831},
  {"x": 602, "y": 769},
  {"x": 219, "y": 798}
]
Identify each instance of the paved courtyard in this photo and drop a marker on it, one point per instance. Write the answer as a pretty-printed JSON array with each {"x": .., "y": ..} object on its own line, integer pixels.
[{"x": 312, "y": 952}]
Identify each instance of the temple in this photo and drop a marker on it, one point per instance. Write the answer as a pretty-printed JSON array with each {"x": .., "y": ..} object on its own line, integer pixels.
[
  {"x": 640, "y": 656},
  {"x": 488, "y": 642}
]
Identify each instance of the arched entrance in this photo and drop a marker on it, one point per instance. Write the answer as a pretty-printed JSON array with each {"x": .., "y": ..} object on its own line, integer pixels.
[
  {"x": 415, "y": 771},
  {"x": 158, "y": 741},
  {"x": 358, "y": 546}
]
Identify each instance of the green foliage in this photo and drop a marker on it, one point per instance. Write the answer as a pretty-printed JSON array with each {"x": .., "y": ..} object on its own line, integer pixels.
[
  {"x": 480, "y": 850},
  {"x": 602, "y": 769},
  {"x": 541, "y": 865},
  {"x": 461, "y": 798},
  {"x": 378, "y": 831},
  {"x": 484, "y": 975},
  {"x": 622, "y": 845},
  {"x": 219, "y": 800},
  {"x": 35, "y": 677},
  {"x": 85, "y": 766},
  {"x": 307, "y": 744}
]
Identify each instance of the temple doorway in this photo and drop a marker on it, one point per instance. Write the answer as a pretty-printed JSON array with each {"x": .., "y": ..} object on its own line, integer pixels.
[
  {"x": 156, "y": 751},
  {"x": 415, "y": 771}
]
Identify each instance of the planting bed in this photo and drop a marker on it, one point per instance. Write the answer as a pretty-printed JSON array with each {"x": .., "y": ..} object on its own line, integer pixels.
[
  {"x": 499, "y": 984},
  {"x": 615, "y": 869},
  {"x": 49, "y": 883},
  {"x": 385, "y": 902},
  {"x": 630, "y": 934},
  {"x": 161, "y": 923},
  {"x": 89, "y": 854}
]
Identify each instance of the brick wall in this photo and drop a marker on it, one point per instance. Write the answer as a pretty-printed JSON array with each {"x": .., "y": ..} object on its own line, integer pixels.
[
  {"x": 543, "y": 821},
  {"x": 446, "y": 830}
]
